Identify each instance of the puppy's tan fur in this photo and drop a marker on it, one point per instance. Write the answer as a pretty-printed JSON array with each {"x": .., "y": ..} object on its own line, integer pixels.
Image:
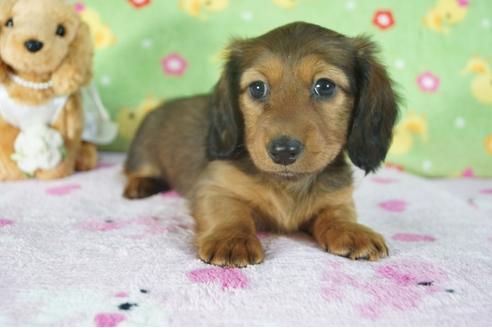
[
  {"x": 66, "y": 61},
  {"x": 214, "y": 148}
]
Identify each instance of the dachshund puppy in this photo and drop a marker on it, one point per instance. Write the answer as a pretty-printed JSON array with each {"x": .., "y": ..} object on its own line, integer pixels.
[{"x": 266, "y": 150}]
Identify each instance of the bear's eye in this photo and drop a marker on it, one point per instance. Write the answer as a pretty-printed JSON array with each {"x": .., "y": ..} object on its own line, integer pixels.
[
  {"x": 9, "y": 23},
  {"x": 60, "y": 30}
]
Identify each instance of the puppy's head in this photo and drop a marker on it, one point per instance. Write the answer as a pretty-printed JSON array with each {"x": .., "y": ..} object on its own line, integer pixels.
[
  {"x": 36, "y": 36},
  {"x": 298, "y": 96}
]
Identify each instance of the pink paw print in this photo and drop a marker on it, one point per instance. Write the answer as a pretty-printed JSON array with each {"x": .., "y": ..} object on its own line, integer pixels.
[
  {"x": 412, "y": 237},
  {"x": 393, "y": 205},
  {"x": 174, "y": 64},
  {"x": 5, "y": 222},
  {"x": 226, "y": 277},
  {"x": 103, "y": 225},
  {"x": 108, "y": 319},
  {"x": 63, "y": 190}
]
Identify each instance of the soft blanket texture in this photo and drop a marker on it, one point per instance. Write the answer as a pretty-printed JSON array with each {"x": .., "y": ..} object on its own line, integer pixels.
[{"x": 73, "y": 252}]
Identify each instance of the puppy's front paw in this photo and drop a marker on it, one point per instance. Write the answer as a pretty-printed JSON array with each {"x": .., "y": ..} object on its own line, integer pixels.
[
  {"x": 233, "y": 250},
  {"x": 352, "y": 240}
]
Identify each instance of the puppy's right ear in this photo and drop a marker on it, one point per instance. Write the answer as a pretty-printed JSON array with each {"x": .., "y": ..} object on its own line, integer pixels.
[{"x": 225, "y": 135}]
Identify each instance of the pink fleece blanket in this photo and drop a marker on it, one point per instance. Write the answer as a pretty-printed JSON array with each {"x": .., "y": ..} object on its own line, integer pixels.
[{"x": 73, "y": 252}]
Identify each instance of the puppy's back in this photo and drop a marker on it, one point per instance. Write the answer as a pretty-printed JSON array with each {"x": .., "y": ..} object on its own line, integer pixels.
[{"x": 171, "y": 143}]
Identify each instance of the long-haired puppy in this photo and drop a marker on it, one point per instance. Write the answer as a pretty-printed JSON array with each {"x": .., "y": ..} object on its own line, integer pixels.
[{"x": 266, "y": 150}]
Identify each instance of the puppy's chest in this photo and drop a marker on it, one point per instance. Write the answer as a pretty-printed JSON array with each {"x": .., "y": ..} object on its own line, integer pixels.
[{"x": 285, "y": 209}]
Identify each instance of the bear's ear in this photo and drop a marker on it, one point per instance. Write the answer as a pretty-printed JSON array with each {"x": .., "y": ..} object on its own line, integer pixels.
[
  {"x": 5, "y": 15},
  {"x": 75, "y": 70},
  {"x": 5, "y": 11},
  {"x": 226, "y": 132},
  {"x": 375, "y": 108}
]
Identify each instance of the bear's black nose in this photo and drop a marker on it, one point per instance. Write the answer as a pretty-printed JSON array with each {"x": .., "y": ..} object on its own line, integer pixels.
[{"x": 33, "y": 45}]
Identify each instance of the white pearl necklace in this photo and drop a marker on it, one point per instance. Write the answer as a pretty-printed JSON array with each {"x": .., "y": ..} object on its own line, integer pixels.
[{"x": 29, "y": 84}]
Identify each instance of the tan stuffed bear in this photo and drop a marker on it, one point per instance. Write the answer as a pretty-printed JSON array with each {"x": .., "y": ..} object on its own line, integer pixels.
[{"x": 45, "y": 58}]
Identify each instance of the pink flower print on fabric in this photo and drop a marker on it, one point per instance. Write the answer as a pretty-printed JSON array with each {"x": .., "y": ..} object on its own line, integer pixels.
[
  {"x": 79, "y": 7},
  {"x": 174, "y": 64},
  {"x": 428, "y": 82},
  {"x": 468, "y": 173}
]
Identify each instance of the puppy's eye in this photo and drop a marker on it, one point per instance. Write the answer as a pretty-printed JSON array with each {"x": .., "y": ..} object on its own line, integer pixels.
[
  {"x": 258, "y": 90},
  {"x": 324, "y": 88},
  {"x": 9, "y": 23},
  {"x": 60, "y": 30}
]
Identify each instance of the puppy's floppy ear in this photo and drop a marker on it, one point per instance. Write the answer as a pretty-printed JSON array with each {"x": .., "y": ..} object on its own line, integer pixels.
[
  {"x": 375, "y": 108},
  {"x": 225, "y": 136},
  {"x": 76, "y": 69}
]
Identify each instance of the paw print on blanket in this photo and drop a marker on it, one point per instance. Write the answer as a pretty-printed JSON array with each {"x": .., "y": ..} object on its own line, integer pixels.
[
  {"x": 226, "y": 277},
  {"x": 5, "y": 222},
  {"x": 137, "y": 228},
  {"x": 393, "y": 205},
  {"x": 397, "y": 286},
  {"x": 63, "y": 190},
  {"x": 89, "y": 307},
  {"x": 133, "y": 308}
]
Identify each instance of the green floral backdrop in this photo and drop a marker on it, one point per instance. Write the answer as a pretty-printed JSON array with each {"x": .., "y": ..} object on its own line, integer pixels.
[{"x": 438, "y": 51}]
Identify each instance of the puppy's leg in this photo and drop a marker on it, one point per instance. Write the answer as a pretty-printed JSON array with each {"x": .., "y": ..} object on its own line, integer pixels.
[
  {"x": 336, "y": 230},
  {"x": 141, "y": 187},
  {"x": 143, "y": 177},
  {"x": 226, "y": 233}
]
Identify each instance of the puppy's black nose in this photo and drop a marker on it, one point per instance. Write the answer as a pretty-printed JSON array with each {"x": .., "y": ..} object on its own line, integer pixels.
[
  {"x": 284, "y": 150},
  {"x": 33, "y": 45}
]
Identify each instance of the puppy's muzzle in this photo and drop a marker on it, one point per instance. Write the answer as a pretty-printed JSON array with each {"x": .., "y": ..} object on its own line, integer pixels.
[
  {"x": 284, "y": 150},
  {"x": 33, "y": 45}
]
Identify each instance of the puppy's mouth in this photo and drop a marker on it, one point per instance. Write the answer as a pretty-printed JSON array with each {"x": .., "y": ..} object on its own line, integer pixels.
[{"x": 289, "y": 175}]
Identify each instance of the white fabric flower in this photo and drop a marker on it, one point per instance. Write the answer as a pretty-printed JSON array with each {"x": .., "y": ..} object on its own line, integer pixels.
[{"x": 38, "y": 147}]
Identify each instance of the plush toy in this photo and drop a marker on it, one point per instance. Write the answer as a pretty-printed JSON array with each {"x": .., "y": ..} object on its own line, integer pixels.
[{"x": 51, "y": 117}]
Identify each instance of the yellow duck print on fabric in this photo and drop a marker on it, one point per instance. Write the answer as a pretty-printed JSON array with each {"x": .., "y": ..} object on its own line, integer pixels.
[
  {"x": 481, "y": 85},
  {"x": 102, "y": 36},
  {"x": 487, "y": 143},
  {"x": 286, "y": 4},
  {"x": 129, "y": 119},
  {"x": 445, "y": 14},
  {"x": 411, "y": 125},
  {"x": 199, "y": 8}
]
